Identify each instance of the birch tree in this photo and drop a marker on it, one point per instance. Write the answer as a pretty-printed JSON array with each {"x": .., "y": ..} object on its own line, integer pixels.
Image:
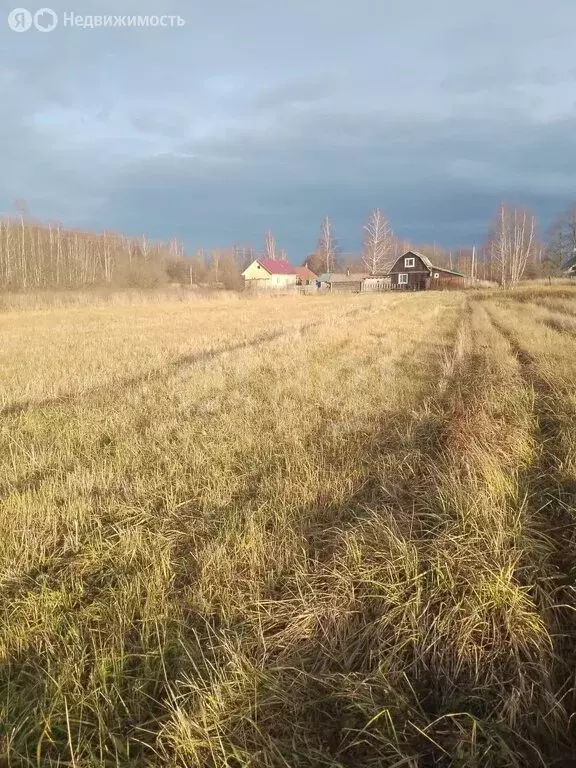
[
  {"x": 378, "y": 252},
  {"x": 270, "y": 248},
  {"x": 512, "y": 245},
  {"x": 327, "y": 247}
]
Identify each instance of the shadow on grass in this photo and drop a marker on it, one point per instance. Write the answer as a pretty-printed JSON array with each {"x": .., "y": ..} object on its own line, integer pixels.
[
  {"x": 33, "y": 681},
  {"x": 113, "y": 712}
]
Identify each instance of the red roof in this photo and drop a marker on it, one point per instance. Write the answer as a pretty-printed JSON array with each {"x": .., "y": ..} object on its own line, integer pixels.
[
  {"x": 304, "y": 273},
  {"x": 277, "y": 266}
]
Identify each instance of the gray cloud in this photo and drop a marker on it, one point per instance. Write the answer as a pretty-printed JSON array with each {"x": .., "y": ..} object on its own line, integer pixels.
[
  {"x": 442, "y": 178},
  {"x": 291, "y": 94},
  {"x": 496, "y": 80},
  {"x": 256, "y": 116}
]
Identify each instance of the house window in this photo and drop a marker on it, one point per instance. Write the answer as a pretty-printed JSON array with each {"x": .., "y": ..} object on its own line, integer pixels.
[
  {"x": 409, "y": 262},
  {"x": 436, "y": 275},
  {"x": 403, "y": 279}
]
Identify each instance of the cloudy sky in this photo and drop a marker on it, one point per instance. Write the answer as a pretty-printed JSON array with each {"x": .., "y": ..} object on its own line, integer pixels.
[{"x": 269, "y": 114}]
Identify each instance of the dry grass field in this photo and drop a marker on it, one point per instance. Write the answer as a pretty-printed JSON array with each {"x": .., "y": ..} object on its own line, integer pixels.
[{"x": 294, "y": 533}]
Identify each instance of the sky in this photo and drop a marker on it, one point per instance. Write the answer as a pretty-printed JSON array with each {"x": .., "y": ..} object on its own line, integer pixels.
[{"x": 258, "y": 115}]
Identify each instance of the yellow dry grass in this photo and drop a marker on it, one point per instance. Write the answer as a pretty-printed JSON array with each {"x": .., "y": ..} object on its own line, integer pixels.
[{"x": 323, "y": 531}]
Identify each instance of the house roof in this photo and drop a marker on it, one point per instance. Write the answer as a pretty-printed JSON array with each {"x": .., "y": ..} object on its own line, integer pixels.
[
  {"x": 342, "y": 277},
  {"x": 277, "y": 266},
  {"x": 430, "y": 266},
  {"x": 304, "y": 273},
  {"x": 378, "y": 276},
  {"x": 448, "y": 271}
]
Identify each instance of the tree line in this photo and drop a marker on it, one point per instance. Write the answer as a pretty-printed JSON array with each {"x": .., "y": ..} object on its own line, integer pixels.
[{"x": 35, "y": 255}]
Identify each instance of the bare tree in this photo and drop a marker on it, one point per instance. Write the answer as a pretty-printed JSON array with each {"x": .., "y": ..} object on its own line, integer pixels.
[
  {"x": 314, "y": 262},
  {"x": 215, "y": 265},
  {"x": 561, "y": 245},
  {"x": 33, "y": 255},
  {"x": 512, "y": 244},
  {"x": 378, "y": 253},
  {"x": 327, "y": 246},
  {"x": 270, "y": 248}
]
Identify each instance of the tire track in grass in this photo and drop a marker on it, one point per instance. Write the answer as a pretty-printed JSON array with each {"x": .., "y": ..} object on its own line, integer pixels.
[
  {"x": 179, "y": 362},
  {"x": 551, "y": 498},
  {"x": 153, "y": 374},
  {"x": 443, "y": 537},
  {"x": 336, "y": 659},
  {"x": 395, "y": 541},
  {"x": 482, "y": 455},
  {"x": 33, "y": 480},
  {"x": 562, "y": 323},
  {"x": 558, "y": 318}
]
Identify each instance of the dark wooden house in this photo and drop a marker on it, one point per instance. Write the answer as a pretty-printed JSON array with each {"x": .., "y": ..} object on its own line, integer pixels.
[{"x": 415, "y": 272}]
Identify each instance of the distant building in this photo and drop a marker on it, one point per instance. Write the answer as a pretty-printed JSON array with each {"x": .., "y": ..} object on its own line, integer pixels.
[
  {"x": 342, "y": 281},
  {"x": 376, "y": 283},
  {"x": 305, "y": 276},
  {"x": 415, "y": 272},
  {"x": 268, "y": 274}
]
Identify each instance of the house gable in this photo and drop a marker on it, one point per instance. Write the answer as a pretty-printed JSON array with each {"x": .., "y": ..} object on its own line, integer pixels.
[
  {"x": 268, "y": 273},
  {"x": 256, "y": 271},
  {"x": 422, "y": 265},
  {"x": 417, "y": 263}
]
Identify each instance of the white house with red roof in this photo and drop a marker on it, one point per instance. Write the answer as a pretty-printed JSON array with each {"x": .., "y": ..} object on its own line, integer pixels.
[{"x": 270, "y": 273}]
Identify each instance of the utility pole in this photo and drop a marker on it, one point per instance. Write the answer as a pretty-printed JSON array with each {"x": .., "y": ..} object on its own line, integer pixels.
[{"x": 473, "y": 262}]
